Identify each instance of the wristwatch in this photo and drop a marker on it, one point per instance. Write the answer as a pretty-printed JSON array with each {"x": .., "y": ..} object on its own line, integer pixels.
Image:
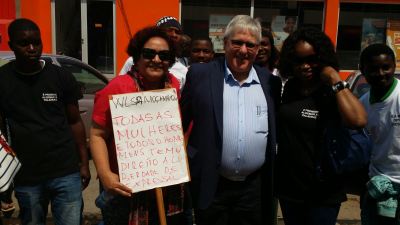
[{"x": 340, "y": 86}]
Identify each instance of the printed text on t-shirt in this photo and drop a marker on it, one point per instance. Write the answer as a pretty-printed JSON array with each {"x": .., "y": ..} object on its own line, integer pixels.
[{"x": 308, "y": 113}]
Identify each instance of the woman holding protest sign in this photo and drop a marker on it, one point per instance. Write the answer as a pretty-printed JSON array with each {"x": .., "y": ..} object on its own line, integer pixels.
[
  {"x": 313, "y": 96},
  {"x": 153, "y": 53}
]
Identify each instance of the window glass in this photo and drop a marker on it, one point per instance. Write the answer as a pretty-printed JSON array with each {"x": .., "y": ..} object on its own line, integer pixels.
[
  {"x": 361, "y": 24},
  {"x": 68, "y": 24},
  {"x": 209, "y": 18},
  {"x": 89, "y": 82},
  {"x": 283, "y": 17},
  {"x": 100, "y": 24}
]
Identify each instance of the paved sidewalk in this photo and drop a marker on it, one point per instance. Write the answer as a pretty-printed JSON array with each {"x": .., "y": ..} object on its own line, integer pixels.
[{"x": 349, "y": 213}]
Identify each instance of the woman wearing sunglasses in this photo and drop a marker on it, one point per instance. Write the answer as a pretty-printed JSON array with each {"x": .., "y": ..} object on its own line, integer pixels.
[
  {"x": 313, "y": 96},
  {"x": 153, "y": 53}
]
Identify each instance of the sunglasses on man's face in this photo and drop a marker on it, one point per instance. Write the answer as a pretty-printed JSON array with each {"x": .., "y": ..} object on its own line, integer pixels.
[
  {"x": 239, "y": 43},
  {"x": 148, "y": 53}
]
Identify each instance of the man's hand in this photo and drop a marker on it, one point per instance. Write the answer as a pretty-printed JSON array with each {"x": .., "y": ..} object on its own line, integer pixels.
[
  {"x": 78, "y": 130},
  {"x": 85, "y": 176}
]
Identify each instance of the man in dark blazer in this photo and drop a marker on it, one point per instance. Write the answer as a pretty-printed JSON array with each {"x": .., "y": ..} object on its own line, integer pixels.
[{"x": 231, "y": 106}]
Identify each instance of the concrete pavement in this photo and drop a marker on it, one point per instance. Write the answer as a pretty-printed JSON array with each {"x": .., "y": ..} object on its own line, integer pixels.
[{"x": 349, "y": 213}]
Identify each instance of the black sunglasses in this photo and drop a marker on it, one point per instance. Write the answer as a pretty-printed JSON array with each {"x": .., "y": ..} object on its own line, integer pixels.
[
  {"x": 311, "y": 59},
  {"x": 239, "y": 43},
  {"x": 164, "y": 55}
]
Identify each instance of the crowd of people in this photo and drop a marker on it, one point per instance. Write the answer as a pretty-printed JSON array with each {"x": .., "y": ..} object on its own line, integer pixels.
[{"x": 253, "y": 118}]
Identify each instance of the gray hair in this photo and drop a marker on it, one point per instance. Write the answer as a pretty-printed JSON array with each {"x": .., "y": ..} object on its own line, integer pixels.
[{"x": 243, "y": 23}]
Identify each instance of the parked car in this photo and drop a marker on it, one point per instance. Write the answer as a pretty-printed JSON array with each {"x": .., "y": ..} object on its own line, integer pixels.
[
  {"x": 358, "y": 84},
  {"x": 89, "y": 79}
]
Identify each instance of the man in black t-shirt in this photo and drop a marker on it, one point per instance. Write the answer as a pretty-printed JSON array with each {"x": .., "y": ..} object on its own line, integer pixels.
[{"x": 40, "y": 102}]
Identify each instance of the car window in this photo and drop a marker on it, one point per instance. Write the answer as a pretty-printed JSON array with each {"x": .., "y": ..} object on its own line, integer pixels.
[{"x": 89, "y": 82}]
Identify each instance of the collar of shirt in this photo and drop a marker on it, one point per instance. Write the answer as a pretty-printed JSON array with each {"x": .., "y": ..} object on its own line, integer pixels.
[
  {"x": 183, "y": 60},
  {"x": 251, "y": 79},
  {"x": 372, "y": 98}
]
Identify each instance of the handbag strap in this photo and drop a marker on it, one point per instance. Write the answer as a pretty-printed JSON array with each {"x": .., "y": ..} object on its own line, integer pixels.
[{"x": 6, "y": 147}]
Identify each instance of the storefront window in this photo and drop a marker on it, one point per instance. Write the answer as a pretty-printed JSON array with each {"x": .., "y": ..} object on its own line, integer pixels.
[
  {"x": 100, "y": 24},
  {"x": 69, "y": 23},
  {"x": 283, "y": 17},
  {"x": 361, "y": 24},
  {"x": 68, "y": 28},
  {"x": 209, "y": 18}
]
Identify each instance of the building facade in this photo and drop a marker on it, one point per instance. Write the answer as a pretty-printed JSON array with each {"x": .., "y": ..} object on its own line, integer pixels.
[{"x": 98, "y": 31}]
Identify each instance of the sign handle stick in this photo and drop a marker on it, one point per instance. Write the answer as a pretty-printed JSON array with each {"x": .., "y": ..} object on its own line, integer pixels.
[{"x": 160, "y": 206}]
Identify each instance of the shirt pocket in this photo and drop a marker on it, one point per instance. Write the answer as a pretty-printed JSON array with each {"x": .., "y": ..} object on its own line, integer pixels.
[{"x": 261, "y": 119}]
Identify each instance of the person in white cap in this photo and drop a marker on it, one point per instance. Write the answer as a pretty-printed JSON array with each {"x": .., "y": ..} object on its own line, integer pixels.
[{"x": 174, "y": 30}]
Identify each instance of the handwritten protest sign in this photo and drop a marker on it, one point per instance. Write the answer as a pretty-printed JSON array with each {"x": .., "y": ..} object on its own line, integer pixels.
[{"x": 149, "y": 140}]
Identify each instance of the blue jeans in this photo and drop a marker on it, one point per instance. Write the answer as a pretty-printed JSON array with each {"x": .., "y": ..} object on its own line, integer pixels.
[
  {"x": 305, "y": 214},
  {"x": 64, "y": 193}
]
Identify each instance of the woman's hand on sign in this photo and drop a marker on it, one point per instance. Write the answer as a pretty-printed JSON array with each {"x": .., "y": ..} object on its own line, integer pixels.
[{"x": 112, "y": 185}]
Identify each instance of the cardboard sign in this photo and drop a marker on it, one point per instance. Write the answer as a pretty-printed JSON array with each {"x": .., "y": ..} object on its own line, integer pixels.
[{"x": 149, "y": 139}]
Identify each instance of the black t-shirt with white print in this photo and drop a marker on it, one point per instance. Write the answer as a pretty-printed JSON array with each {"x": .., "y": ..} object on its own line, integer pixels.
[
  {"x": 301, "y": 124},
  {"x": 35, "y": 107}
]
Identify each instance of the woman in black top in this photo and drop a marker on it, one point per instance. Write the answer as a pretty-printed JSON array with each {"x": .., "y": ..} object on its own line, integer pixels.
[{"x": 313, "y": 96}]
